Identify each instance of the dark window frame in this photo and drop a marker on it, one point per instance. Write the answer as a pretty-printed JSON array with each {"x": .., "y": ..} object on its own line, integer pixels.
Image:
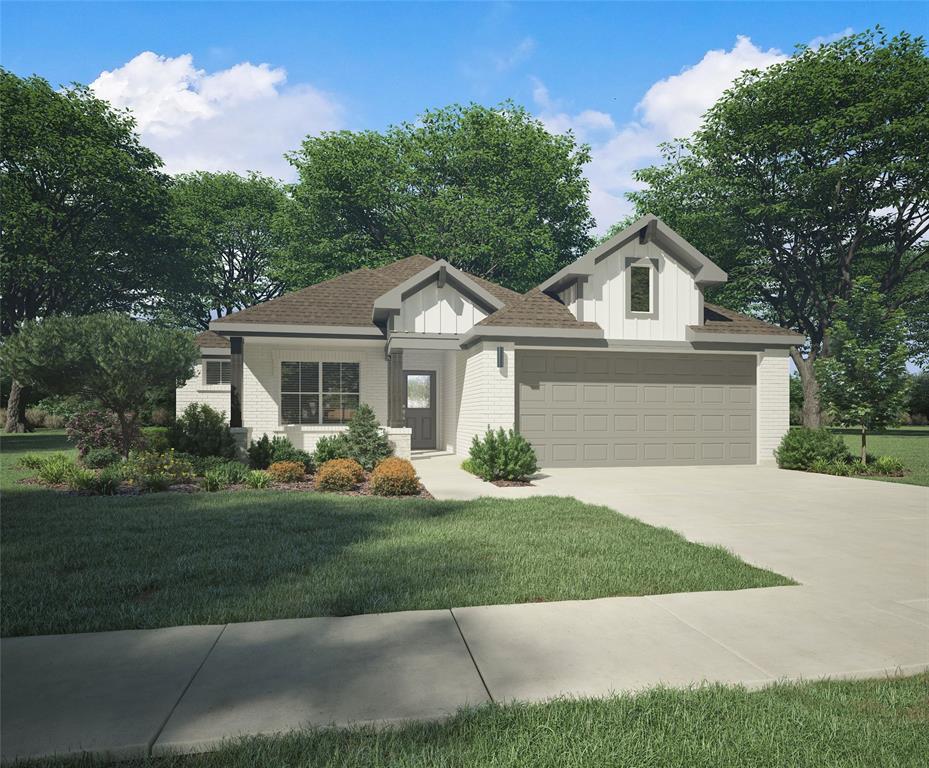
[{"x": 329, "y": 402}]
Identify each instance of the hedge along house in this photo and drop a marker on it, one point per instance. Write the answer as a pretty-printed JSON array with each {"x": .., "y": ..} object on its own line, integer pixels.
[{"x": 615, "y": 360}]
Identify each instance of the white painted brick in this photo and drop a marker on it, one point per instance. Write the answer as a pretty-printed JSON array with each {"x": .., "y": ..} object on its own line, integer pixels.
[
  {"x": 195, "y": 390},
  {"x": 773, "y": 391},
  {"x": 485, "y": 393}
]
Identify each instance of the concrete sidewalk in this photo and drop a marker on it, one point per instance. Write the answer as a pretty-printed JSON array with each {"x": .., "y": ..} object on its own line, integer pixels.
[{"x": 861, "y": 549}]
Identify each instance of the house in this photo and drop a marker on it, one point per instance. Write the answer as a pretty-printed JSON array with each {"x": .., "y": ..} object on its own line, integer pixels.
[{"x": 615, "y": 360}]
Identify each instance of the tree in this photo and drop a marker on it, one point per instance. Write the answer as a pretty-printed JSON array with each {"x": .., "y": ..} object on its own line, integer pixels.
[
  {"x": 224, "y": 225},
  {"x": 488, "y": 189},
  {"x": 109, "y": 358},
  {"x": 82, "y": 210},
  {"x": 865, "y": 377},
  {"x": 805, "y": 178},
  {"x": 919, "y": 395}
]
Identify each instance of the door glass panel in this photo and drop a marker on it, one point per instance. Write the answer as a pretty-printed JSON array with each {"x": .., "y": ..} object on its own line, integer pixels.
[{"x": 418, "y": 390}]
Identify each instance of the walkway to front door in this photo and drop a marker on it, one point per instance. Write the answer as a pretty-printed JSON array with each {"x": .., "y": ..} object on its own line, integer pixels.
[{"x": 419, "y": 396}]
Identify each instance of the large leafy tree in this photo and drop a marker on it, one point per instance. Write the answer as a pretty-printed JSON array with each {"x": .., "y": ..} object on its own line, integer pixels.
[
  {"x": 488, "y": 189},
  {"x": 806, "y": 177},
  {"x": 109, "y": 358},
  {"x": 82, "y": 210},
  {"x": 224, "y": 224},
  {"x": 864, "y": 378}
]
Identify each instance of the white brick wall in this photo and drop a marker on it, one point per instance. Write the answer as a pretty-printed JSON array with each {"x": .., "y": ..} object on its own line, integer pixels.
[
  {"x": 773, "y": 393},
  {"x": 261, "y": 384},
  {"x": 194, "y": 390},
  {"x": 486, "y": 393}
]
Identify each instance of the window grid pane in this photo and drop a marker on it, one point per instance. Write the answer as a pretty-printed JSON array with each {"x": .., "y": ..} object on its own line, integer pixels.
[
  {"x": 225, "y": 372},
  {"x": 304, "y": 401}
]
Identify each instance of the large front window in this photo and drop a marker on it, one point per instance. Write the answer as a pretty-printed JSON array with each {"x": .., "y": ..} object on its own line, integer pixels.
[{"x": 319, "y": 393}]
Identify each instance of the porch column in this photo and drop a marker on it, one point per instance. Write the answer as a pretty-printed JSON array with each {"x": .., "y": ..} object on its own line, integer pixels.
[
  {"x": 395, "y": 410},
  {"x": 235, "y": 380}
]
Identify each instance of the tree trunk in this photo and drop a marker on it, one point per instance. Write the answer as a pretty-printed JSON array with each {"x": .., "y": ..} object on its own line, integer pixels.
[
  {"x": 864, "y": 445},
  {"x": 126, "y": 429},
  {"x": 16, "y": 409},
  {"x": 812, "y": 408}
]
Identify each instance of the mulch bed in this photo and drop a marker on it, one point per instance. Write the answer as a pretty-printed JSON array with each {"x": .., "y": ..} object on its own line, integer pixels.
[{"x": 510, "y": 483}]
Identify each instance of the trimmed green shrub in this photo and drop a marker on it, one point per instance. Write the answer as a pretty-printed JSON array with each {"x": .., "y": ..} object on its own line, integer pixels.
[
  {"x": 801, "y": 446},
  {"x": 889, "y": 465},
  {"x": 155, "y": 439},
  {"x": 330, "y": 447},
  {"x": 258, "y": 478},
  {"x": 394, "y": 477},
  {"x": 265, "y": 452},
  {"x": 55, "y": 469},
  {"x": 339, "y": 475},
  {"x": 202, "y": 431},
  {"x": 502, "y": 455},
  {"x": 367, "y": 443},
  {"x": 98, "y": 458},
  {"x": 260, "y": 453},
  {"x": 157, "y": 471}
]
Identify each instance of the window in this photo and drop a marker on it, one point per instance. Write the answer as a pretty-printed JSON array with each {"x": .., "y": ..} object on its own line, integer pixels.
[
  {"x": 640, "y": 294},
  {"x": 319, "y": 393},
  {"x": 418, "y": 390},
  {"x": 218, "y": 372}
]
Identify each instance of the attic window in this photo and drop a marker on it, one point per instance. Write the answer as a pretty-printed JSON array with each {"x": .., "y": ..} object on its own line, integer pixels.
[{"x": 640, "y": 289}]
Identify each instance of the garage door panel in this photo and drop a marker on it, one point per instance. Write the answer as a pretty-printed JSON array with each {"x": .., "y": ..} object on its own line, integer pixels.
[{"x": 612, "y": 409}]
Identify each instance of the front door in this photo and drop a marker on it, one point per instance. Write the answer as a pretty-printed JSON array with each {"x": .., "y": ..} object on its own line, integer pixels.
[{"x": 419, "y": 394}]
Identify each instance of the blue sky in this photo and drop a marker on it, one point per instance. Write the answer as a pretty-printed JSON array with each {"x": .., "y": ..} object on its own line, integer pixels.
[{"x": 234, "y": 85}]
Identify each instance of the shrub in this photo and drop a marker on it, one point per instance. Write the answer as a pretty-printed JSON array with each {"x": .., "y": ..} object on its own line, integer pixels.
[
  {"x": 502, "y": 455},
  {"x": 339, "y": 475},
  {"x": 889, "y": 465},
  {"x": 155, "y": 439},
  {"x": 109, "y": 480},
  {"x": 94, "y": 429},
  {"x": 258, "y": 478},
  {"x": 80, "y": 479},
  {"x": 32, "y": 461},
  {"x": 98, "y": 458},
  {"x": 202, "y": 431},
  {"x": 331, "y": 447},
  {"x": 265, "y": 452},
  {"x": 394, "y": 477},
  {"x": 366, "y": 441},
  {"x": 55, "y": 469},
  {"x": 286, "y": 471},
  {"x": 162, "y": 417},
  {"x": 801, "y": 446},
  {"x": 64, "y": 407},
  {"x": 158, "y": 471},
  {"x": 35, "y": 418},
  {"x": 213, "y": 480},
  {"x": 232, "y": 472},
  {"x": 201, "y": 464}
]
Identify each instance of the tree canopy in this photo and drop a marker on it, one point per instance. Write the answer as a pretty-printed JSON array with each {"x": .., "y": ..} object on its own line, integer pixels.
[
  {"x": 488, "y": 189},
  {"x": 224, "y": 229},
  {"x": 806, "y": 177},
  {"x": 109, "y": 358}
]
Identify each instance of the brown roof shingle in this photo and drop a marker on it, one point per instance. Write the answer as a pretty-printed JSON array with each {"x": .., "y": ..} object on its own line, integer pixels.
[
  {"x": 210, "y": 339},
  {"x": 344, "y": 300},
  {"x": 535, "y": 309},
  {"x": 718, "y": 319}
]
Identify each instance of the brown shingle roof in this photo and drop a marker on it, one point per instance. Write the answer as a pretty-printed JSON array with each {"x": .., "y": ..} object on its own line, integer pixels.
[
  {"x": 344, "y": 300},
  {"x": 210, "y": 339},
  {"x": 535, "y": 309},
  {"x": 718, "y": 319}
]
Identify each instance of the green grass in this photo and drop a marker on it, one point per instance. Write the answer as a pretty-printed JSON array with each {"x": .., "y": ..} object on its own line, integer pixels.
[
  {"x": 909, "y": 444},
  {"x": 77, "y": 564},
  {"x": 861, "y": 724}
]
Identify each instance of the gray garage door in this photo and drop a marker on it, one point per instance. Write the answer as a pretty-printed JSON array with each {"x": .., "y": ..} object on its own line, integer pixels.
[{"x": 618, "y": 408}]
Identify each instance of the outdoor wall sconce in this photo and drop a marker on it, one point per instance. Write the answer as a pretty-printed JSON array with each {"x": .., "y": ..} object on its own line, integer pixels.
[{"x": 499, "y": 357}]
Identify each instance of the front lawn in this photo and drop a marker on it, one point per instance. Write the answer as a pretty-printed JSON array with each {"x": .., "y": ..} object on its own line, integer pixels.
[
  {"x": 909, "y": 444},
  {"x": 814, "y": 725},
  {"x": 78, "y": 564}
]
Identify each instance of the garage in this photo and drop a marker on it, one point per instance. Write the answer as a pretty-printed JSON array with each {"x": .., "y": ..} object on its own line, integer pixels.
[{"x": 636, "y": 408}]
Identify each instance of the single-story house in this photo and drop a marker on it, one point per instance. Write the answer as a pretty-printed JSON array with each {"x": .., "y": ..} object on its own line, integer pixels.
[{"x": 614, "y": 360}]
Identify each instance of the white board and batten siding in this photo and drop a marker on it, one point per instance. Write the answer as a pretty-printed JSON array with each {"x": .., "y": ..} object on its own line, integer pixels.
[
  {"x": 438, "y": 310},
  {"x": 603, "y": 297}
]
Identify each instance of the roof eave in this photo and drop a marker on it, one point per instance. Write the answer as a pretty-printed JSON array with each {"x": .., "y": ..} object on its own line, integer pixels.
[{"x": 759, "y": 339}]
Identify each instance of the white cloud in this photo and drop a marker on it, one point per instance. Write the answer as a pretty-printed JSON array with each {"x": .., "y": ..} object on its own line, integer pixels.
[
  {"x": 671, "y": 108},
  {"x": 242, "y": 118},
  {"x": 821, "y": 40},
  {"x": 523, "y": 50}
]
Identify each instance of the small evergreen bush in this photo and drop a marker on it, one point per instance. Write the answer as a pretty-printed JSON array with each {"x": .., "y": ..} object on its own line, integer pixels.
[
  {"x": 98, "y": 458},
  {"x": 265, "y": 452},
  {"x": 330, "y": 447},
  {"x": 394, "y": 477},
  {"x": 155, "y": 439},
  {"x": 260, "y": 453},
  {"x": 801, "y": 446},
  {"x": 202, "y": 431},
  {"x": 339, "y": 475},
  {"x": 286, "y": 471},
  {"x": 502, "y": 455},
  {"x": 367, "y": 443}
]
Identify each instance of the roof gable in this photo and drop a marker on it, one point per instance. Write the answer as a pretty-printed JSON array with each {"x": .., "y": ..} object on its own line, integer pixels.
[{"x": 648, "y": 227}]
